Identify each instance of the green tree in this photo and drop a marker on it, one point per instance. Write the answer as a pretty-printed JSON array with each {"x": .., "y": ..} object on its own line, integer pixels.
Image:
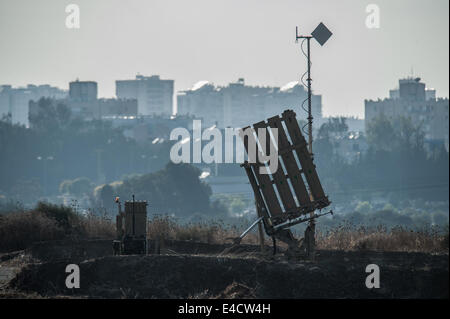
[
  {"x": 335, "y": 126},
  {"x": 176, "y": 189},
  {"x": 77, "y": 187},
  {"x": 50, "y": 116},
  {"x": 381, "y": 134}
]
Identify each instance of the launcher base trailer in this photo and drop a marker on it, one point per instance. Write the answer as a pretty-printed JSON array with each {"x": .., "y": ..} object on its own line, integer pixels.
[
  {"x": 285, "y": 225},
  {"x": 293, "y": 191}
]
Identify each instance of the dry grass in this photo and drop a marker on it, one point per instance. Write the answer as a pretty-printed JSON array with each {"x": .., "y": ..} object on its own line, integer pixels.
[
  {"x": 351, "y": 237},
  {"x": 21, "y": 229},
  {"x": 344, "y": 237},
  {"x": 97, "y": 226},
  {"x": 164, "y": 227}
]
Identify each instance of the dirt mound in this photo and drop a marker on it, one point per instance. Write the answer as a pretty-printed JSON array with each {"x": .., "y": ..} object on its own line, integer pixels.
[
  {"x": 75, "y": 250},
  {"x": 237, "y": 291},
  {"x": 333, "y": 275}
]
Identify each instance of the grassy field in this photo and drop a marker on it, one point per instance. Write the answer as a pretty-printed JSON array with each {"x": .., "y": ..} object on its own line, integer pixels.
[{"x": 50, "y": 222}]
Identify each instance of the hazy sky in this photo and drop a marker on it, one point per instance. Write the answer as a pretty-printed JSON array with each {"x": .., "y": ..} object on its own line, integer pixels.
[{"x": 222, "y": 40}]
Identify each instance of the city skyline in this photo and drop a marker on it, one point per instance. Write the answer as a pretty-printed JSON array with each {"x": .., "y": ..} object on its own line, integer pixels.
[
  {"x": 192, "y": 41},
  {"x": 32, "y": 88}
]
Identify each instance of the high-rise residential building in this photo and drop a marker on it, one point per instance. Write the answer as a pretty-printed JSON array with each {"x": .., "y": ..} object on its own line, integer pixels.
[
  {"x": 430, "y": 94},
  {"x": 83, "y": 91},
  {"x": 5, "y": 107},
  {"x": 245, "y": 105},
  {"x": 154, "y": 95},
  {"x": 412, "y": 100},
  {"x": 83, "y": 100},
  {"x": 412, "y": 89},
  {"x": 240, "y": 105},
  {"x": 203, "y": 101},
  {"x": 15, "y": 101}
]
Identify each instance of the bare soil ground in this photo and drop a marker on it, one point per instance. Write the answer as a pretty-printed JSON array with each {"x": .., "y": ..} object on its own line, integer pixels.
[{"x": 196, "y": 270}]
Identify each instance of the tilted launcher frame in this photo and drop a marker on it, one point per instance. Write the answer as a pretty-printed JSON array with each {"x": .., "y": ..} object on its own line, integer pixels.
[{"x": 292, "y": 193}]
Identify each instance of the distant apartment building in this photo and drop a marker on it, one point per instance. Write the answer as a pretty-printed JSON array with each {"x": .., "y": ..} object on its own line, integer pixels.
[
  {"x": 5, "y": 108},
  {"x": 15, "y": 101},
  {"x": 82, "y": 99},
  {"x": 154, "y": 95},
  {"x": 203, "y": 101},
  {"x": 240, "y": 105},
  {"x": 244, "y": 105},
  {"x": 412, "y": 100},
  {"x": 83, "y": 91},
  {"x": 83, "y": 102}
]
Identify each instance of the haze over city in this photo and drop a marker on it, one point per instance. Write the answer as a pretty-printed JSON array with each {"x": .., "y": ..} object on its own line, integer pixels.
[
  {"x": 186, "y": 150},
  {"x": 189, "y": 41}
]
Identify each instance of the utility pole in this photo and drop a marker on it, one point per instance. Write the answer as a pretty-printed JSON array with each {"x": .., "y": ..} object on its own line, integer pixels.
[
  {"x": 308, "y": 56},
  {"x": 311, "y": 224},
  {"x": 321, "y": 34},
  {"x": 310, "y": 117}
]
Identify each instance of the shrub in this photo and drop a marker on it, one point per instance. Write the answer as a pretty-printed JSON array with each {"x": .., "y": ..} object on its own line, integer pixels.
[
  {"x": 64, "y": 216},
  {"x": 19, "y": 230},
  {"x": 445, "y": 239}
]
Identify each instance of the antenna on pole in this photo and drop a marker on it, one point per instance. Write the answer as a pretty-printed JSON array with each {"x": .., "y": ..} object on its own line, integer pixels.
[{"x": 321, "y": 34}]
